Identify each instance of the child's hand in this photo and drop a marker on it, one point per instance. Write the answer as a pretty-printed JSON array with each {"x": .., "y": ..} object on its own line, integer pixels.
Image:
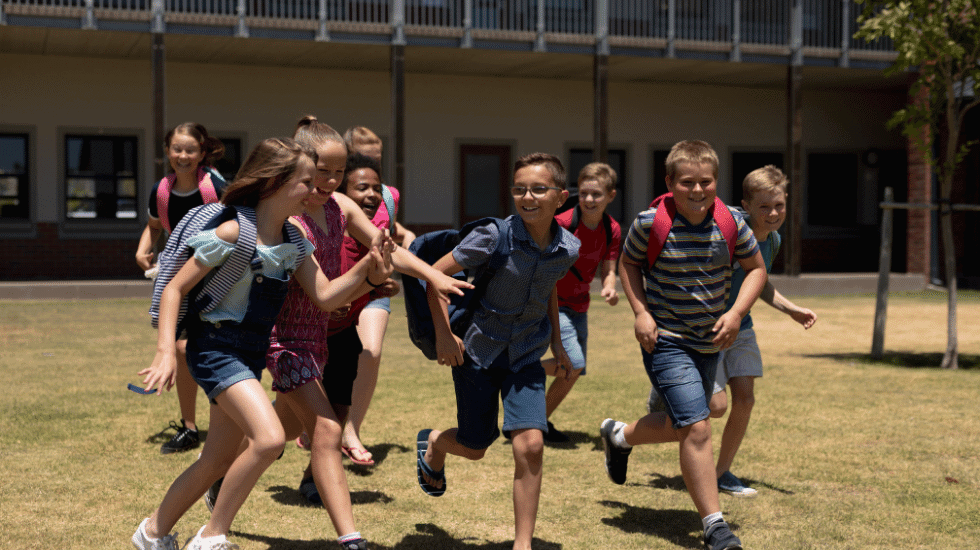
[
  {"x": 804, "y": 317},
  {"x": 450, "y": 351},
  {"x": 145, "y": 261},
  {"x": 162, "y": 371},
  {"x": 562, "y": 360},
  {"x": 380, "y": 268},
  {"x": 610, "y": 295},
  {"x": 726, "y": 329},
  {"x": 447, "y": 285},
  {"x": 646, "y": 331}
]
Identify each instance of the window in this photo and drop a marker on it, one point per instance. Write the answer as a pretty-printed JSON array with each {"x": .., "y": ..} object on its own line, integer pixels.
[
  {"x": 659, "y": 171},
  {"x": 231, "y": 161},
  {"x": 484, "y": 178},
  {"x": 14, "y": 176},
  {"x": 832, "y": 189},
  {"x": 100, "y": 177},
  {"x": 578, "y": 158},
  {"x": 745, "y": 162}
]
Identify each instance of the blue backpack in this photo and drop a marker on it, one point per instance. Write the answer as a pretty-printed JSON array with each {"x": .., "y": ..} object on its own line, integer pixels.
[
  {"x": 430, "y": 247},
  {"x": 206, "y": 295}
]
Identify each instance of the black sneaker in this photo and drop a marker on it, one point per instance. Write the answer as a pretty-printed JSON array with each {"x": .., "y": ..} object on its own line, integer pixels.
[
  {"x": 211, "y": 496},
  {"x": 554, "y": 435},
  {"x": 616, "y": 459},
  {"x": 718, "y": 536},
  {"x": 185, "y": 439}
]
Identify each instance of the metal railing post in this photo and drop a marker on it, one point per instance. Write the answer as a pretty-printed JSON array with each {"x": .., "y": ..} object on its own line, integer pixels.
[
  {"x": 467, "y": 41},
  {"x": 398, "y": 23},
  {"x": 736, "y": 31},
  {"x": 3, "y": 14},
  {"x": 88, "y": 21},
  {"x": 845, "y": 38},
  {"x": 671, "y": 28},
  {"x": 322, "y": 35},
  {"x": 159, "y": 25},
  {"x": 242, "y": 9},
  {"x": 539, "y": 45},
  {"x": 602, "y": 27},
  {"x": 796, "y": 33}
]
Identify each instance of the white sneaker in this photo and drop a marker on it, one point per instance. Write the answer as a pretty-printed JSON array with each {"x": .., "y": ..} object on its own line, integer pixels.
[
  {"x": 142, "y": 542},
  {"x": 220, "y": 542}
]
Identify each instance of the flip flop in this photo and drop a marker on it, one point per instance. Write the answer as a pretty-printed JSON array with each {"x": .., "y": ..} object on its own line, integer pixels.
[
  {"x": 423, "y": 468},
  {"x": 349, "y": 453}
]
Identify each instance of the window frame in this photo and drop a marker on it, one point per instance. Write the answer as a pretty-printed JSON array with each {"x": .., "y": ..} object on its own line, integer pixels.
[
  {"x": 623, "y": 188},
  {"x": 24, "y": 227}
]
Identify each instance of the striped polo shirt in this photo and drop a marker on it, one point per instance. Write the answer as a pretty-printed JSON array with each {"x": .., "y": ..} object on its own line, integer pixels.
[{"x": 687, "y": 286}]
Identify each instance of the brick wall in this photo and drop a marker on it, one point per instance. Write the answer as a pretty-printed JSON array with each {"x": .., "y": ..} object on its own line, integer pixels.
[
  {"x": 49, "y": 258},
  {"x": 919, "y": 230}
]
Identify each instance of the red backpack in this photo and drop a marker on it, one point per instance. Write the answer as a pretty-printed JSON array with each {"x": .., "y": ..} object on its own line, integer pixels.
[
  {"x": 663, "y": 220},
  {"x": 204, "y": 184}
]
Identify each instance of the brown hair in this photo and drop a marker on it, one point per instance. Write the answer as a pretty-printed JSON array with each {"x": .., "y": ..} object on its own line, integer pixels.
[
  {"x": 212, "y": 147},
  {"x": 266, "y": 169},
  {"x": 600, "y": 172},
  {"x": 693, "y": 151},
  {"x": 312, "y": 133},
  {"x": 551, "y": 162},
  {"x": 769, "y": 178}
]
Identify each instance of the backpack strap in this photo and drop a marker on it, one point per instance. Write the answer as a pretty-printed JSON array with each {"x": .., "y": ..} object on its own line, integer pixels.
[
  {"x": 497, "y": 259},
  {"x": 163, "y": 200},
  {"x": 229, "y": 272},
  {"x": 663, "y": 220},
  {"x": 389, "y": 201},
  {"x": 726, "y": 223},
  {"x": 204, "y": 183}
]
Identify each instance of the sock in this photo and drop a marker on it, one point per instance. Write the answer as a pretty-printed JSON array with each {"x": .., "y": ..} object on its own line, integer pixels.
[
  {"x": 711, "y": 518},
  {"x": 349, "y": 537},
  {"x": 618, "y": 438}
]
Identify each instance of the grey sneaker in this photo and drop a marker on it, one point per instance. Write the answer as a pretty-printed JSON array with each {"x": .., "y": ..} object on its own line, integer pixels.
[
  {"x": 184, "y": 440},
  {"x": 142, "y": 542},
  {"x": 210, "y": 543},
  {"x": 718, "y": 536},
  {"x": 616, "y": 459},
  {"x": 655, "y": 403},
  {"x": 732, "y": 485},
  {"x": 211, "y": 496}
]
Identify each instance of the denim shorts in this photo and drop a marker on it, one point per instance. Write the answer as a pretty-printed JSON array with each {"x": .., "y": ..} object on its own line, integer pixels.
[
  {"x": 344, "y": 350},
  {"x": 220, "y": 355},
  {"x": 684, "y": 378},
  {"x": 479, "y": 391},
  {"x": 380, "y": 303},
  {"x": 742, "y": 358},
  {"x": 574, "y": 336}
]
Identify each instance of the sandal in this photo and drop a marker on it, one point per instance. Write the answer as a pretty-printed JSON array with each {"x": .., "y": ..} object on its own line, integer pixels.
[
  {"x": 361, "y": 451},
  {"x": 423, "y": 468}
]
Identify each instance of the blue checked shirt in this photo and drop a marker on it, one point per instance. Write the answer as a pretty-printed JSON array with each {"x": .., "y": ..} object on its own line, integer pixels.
[{"x": 513, "y": 314}]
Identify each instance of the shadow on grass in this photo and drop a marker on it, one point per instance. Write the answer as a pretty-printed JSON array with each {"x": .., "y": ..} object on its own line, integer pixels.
[
  {"x": 379, "y": 453},
  {"x": 427, "y": 536},
  {"x": 290, "y": 496},
  {"x": 674, "y": 526},
  {"x": 902, "y": 359},
  {"x": 168, "y": 433},
  {"x": 575, "y": 439},
  {"x": 676, "y": 483}
]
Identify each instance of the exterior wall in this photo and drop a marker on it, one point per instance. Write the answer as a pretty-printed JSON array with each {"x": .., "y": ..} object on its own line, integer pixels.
[{"x": 50, "y": 95}]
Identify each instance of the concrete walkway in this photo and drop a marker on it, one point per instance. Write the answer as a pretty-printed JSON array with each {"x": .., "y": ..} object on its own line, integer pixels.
[{"x": 805, "y": 285}]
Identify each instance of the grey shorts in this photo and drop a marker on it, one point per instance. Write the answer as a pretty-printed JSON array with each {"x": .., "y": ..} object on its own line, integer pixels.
[{"x": 742, "y": 358}]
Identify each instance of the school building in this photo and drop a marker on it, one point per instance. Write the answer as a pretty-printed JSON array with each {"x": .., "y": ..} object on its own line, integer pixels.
[{"x": 458, "y": 89}]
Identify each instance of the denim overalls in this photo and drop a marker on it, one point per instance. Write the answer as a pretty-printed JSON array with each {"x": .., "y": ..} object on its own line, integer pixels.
[{"x": 224, "y": 353}]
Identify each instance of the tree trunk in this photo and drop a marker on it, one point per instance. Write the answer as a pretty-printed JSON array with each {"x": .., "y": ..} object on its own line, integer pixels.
[{"x": 951, "y": 357}]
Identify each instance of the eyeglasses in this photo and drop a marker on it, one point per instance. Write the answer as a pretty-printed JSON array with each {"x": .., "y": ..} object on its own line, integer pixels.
[{"x": 538, "y": 191}]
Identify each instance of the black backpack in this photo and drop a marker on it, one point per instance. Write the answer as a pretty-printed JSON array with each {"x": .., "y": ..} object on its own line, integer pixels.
[{"x": 430, "y": 247}]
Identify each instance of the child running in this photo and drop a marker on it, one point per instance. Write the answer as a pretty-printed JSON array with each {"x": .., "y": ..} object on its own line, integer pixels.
[
  {"x": 191, "y": 152},
  {"x": 500, "y": 357},
  {"x": 227, "y": 346},
  {"x": 678, "y": 299},
  {"x": 600, "y": 238},
  {"x": 373, "y": 320}
]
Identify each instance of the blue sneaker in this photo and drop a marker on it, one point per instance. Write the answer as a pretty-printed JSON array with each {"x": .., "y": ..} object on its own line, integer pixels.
[
  {"x": 719, "y": 536},
  {"x": 732, "y": 485}
]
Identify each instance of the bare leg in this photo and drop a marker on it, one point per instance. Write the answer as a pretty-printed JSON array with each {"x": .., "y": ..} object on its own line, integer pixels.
[
  {"x": 528, "y": 448},
  {"x": 371, "y": 329},
  {"x": 186, "y": 388},
  {"x": 443, "y": 443},
  {"x": 743, "y": 399},
  {"x": 697, "y": 460},
  {"x": 718, "y": 404}
]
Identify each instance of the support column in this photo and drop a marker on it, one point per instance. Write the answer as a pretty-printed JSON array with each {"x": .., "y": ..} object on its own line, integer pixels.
[
  {"x": 159, "y": 105},
  {"x": 600, "y": 84},
  {"x": 398, "y": 118},
  {"x": 794, "y": 144}
]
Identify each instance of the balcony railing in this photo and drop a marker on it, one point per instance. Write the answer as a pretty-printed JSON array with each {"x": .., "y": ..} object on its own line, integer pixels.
[{"x": 821, "y": 28}]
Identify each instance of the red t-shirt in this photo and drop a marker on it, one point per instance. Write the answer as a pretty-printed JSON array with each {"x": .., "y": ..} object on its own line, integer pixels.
[{"x": 573, "y": 292}]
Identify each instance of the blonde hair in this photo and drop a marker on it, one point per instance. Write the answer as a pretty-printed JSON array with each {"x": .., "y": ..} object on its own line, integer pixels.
[
  {"x": 357, "y": 137},
  {"x": 600, "y": 172},
  {"x": 312, "y": 133},
  {"x": 767, "y": 179},
  {"x": 694, "y": 152}
]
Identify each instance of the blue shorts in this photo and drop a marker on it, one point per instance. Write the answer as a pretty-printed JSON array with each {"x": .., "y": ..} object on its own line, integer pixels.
[
  {"x": 574, "y": 328},
  {"x": 380, "y": 303},
  {"x": 220, "y": 355},
  {"x": 684, "y": 378},
  {"x": 478, "y": 392}
]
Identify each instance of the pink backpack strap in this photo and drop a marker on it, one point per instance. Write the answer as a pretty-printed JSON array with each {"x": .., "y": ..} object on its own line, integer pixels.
[
  {"x": 663, "y": 220},
  {"x": 204, "y": 183},
  {"x": 726, "y": 223},
  {"x": 163, "y": 200}
]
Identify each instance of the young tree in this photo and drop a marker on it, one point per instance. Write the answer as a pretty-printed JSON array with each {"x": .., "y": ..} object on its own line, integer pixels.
[{"x": 940, "y": 41}]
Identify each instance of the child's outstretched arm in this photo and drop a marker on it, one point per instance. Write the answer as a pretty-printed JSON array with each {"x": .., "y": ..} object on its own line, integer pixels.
[
  {"x": 449, "y": 347},
  {"x": 328, "y": 295},
  {"x": 799, "y": 314},
  {"x": 609, "y": 282},
  {"x": 557, "y": 347},
  {"x": 726, "y": 329},
  {"x": 365, "y": 232},
  {"x": 645, "y": 327}
]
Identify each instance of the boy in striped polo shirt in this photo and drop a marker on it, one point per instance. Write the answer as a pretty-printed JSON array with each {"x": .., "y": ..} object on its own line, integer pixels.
[{"x": 681, "y": 324}]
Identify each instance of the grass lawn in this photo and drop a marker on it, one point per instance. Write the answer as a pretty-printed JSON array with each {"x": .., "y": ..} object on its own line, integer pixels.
[{"x": 845, "y": 452}]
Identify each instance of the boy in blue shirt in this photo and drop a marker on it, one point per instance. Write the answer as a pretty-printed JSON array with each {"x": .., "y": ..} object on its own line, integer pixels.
[
  {"x": 500, "y": 356},
  {"x": 681, "y": 324}
]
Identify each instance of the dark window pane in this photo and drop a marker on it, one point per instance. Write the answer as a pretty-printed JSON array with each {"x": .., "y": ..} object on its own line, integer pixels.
[{"x": 832, "y": 184}]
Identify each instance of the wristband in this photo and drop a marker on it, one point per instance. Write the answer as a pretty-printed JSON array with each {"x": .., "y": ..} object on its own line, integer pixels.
[{"x": 368, "y": 281}]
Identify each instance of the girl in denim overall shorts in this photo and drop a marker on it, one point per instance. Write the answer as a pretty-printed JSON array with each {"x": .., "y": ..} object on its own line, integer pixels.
[{"x": 226, "y": 346}]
